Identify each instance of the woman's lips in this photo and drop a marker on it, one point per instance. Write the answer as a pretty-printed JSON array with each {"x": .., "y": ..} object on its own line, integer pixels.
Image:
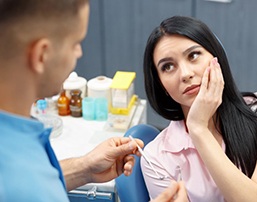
[{"x": 191, "y": 90}]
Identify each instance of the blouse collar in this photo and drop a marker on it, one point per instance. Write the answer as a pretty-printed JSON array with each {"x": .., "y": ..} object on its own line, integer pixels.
[{"x": 176, "y": 138}]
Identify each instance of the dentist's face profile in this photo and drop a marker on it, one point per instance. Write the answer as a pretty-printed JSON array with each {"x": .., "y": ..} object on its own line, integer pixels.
[{"x": 65, "y": 53}]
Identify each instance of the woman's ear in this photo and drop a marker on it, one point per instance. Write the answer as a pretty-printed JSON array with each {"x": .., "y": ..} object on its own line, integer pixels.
[{"x": 39, "y": 53}]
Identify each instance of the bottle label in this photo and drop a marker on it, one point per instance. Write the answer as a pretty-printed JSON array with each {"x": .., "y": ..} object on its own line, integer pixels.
[
  {"x": 61, "y": 105},
  {"x": 75, "y": 108}
]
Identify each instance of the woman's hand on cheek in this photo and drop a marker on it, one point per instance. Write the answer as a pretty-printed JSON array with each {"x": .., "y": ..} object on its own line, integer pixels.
[{"x": 209, "y": 97}]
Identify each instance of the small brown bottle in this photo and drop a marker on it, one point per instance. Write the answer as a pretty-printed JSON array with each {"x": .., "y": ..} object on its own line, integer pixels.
[
  {"x": 76, "y": 103},
  {"x": 63, "y": 104}
]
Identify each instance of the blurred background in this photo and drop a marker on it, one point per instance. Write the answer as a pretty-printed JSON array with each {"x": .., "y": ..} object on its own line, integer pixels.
[{"x": 119, "y": 29}]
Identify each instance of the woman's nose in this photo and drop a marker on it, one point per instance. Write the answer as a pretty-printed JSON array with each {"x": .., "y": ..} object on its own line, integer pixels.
[{"x": 187, "y": 72}]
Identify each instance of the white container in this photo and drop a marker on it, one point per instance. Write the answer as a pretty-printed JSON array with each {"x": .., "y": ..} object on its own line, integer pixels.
[
  {"x": 75, "y": 82},
  {"x": 100, "y": 87}
]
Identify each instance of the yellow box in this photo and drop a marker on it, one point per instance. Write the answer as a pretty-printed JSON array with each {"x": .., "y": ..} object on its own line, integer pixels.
[
  {"x": 122, "y": 92},
  {"x": 124, "y": 111},
  {"x": 123, "y": 80}
]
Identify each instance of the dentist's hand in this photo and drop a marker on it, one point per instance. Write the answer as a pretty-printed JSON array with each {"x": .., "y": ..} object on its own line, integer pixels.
[
  {"x": 112, "y": 158},
  {"x": 105, "y": 162}
]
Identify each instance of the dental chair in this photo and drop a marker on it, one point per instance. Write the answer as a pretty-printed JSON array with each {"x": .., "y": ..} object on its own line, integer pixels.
[{"x": 132, "y": 188}]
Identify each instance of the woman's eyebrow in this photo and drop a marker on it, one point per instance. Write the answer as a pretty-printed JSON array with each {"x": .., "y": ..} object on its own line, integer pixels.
[
  {"x": 164, "y": 60},
  {"x": 190, "y": 49},
  {"x": 184, "y": 53}
]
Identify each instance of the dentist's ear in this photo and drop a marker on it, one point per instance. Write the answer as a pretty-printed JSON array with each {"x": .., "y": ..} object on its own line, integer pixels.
[{"x": 38, "y": 55}]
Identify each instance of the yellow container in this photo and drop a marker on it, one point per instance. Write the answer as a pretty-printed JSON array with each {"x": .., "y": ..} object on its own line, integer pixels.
[
  {"x": 122, "y": 92},
  {"x": 124, "y": 111}
]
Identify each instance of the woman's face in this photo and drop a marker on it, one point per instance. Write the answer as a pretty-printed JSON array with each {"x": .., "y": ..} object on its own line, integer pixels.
[{"x": 180, "y": 63}]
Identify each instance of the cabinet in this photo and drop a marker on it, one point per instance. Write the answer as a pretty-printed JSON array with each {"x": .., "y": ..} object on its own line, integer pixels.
[{"x": 118, "y": 31}]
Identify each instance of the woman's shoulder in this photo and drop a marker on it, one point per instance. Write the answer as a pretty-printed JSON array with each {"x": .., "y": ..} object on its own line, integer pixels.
[{"x": 172, "y": 131}]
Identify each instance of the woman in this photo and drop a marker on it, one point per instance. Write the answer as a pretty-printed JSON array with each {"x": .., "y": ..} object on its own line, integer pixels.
[{"x": 212, "y": 137}]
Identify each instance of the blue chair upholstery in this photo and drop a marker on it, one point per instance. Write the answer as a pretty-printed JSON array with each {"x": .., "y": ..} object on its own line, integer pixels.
[{"x": 132, "y": 188}]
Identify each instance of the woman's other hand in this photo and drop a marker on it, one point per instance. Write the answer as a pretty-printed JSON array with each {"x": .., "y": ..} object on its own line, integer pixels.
[{"x": 176, "y": 192}]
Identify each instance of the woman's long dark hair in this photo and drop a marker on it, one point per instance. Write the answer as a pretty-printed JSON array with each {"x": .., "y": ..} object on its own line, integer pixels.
[{"x": 238, "y": 124}]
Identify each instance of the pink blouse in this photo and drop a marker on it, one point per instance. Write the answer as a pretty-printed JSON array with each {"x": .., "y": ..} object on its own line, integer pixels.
[{"x": 171, "y": 149}]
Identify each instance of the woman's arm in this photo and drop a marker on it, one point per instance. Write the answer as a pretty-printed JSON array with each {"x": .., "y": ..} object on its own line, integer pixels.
[
  {"x": 234, "y": 185},
  {"x": 154, "y": 185}
]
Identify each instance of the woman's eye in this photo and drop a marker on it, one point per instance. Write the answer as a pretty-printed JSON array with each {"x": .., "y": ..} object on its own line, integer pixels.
[
  {"x": 194, "y": 55},
  {"x": 167, "y": 67}
]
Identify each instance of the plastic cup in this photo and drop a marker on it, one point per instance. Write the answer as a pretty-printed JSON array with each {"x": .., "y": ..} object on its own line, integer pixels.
[
  {"x": 101, "y": 109},
  {"x": 88, "y": 108}
]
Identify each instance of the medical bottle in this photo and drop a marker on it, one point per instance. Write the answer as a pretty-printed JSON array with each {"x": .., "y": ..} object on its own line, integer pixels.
[
  {"x": 76, "y": 103},
  {"x": 63, "y": 104}
]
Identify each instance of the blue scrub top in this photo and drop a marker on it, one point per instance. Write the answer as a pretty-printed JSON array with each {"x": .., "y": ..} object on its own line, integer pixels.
[{"x": 29, "y": 170}]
